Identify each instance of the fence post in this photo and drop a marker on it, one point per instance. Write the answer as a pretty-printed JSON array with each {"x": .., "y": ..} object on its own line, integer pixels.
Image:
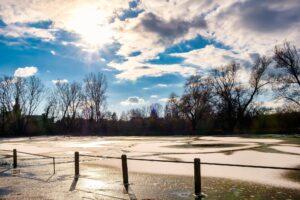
[
  {"x": 53, "y": 165},
  {"x": 125, "y": 170},
  {"x": 197, "y": 177},
  {"x": 15, "y": 160},
  {"x": 76, "y": 164}
]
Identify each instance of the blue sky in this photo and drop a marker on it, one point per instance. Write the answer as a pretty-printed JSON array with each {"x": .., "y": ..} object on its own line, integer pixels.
[{"x": 146, "y": 49}]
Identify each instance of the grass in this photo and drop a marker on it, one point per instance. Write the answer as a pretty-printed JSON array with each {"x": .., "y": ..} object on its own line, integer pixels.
[
  {"x": 181, "y": 187},
  {"x": 287, "y": 139},
  {"x": 293, "y": 175},
  {"x": 266, "y": 148},
  {"x": 233, "y": 190}
]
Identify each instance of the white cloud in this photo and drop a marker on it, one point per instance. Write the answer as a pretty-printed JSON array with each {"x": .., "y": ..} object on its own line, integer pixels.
[
  {"x": 20, "y": 31},
  {"x": 89, "y": 19},
  {"x": 243, "y": 25},
  {"x": 246, "y": 27},
  {"x": 249, "y": 26},
  {"x": 60, "y": 81},
  {"x": 212, "y": 57},
  {"x": 161, "y": 85},
  {"x": 133, "y": 101},
  {"x": 53, "y": 52},
  {"x": 154, "y": 96},
  {"x": 273, "y": 104},
  {"x": 230, "y": 22},
  {"x": 164, "y": 100},
  {"x": 243, "y": 75},
  {"x": 25, "y": 71},
  {"x": 132, "y": 69}
]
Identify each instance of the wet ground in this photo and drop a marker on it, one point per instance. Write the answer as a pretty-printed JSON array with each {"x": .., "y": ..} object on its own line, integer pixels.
[{"x": 102, "y": 178}]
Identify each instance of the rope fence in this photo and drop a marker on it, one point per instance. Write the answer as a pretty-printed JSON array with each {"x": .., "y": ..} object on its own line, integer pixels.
[
  {"x": 40, "y": 156},
  {"x": 197, "y": 167},
  {"x": 191, "y": 162}
]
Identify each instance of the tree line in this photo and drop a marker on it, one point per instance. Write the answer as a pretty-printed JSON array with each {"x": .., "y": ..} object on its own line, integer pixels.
[{"x": 217, "y": 101}]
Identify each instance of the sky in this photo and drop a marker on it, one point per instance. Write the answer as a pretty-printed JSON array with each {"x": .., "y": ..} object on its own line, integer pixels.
[{"x": 146, "y": 48}]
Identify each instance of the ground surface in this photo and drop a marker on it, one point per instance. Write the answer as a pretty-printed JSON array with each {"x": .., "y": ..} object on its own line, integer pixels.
[{"x": 102, "y": 179}]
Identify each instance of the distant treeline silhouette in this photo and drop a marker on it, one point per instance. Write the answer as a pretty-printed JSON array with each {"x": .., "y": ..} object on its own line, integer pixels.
[{"x": 217, "y": 101}]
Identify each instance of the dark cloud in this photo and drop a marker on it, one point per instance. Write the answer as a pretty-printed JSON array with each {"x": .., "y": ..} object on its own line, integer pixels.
[
  {"x": 170, "y": 29},
  {"x": 267, "y": 15},
  {"x": 46, "y": 24},
  {"x": 134, "y": 100},
  {"x": 143, "y": 67}
]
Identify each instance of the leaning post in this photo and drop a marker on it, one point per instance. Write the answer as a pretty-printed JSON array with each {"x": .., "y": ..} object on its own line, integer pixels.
[
  {"x": 53, "y": 165},
  {"x": 15, "y": 160},
  {"x": 197, "y": 177},
  {"x": 125, "y": 171},
  {"x": 76, "y": 159}
]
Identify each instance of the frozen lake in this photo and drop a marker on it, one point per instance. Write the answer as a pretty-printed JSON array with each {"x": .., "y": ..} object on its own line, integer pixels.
[{"x": 233, "y": 150}]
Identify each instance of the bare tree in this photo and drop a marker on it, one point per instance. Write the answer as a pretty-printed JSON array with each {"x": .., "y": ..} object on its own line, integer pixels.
[
  {"x": 51, "y": 107},
  {"x": 75, "y": 99},
  {"x": 87, "y": 108},
  {"x": 6, "y": 94},
  {"x": 137, "y": 113},
  {"x": 19, "y": 99},
  {"x": 32, "y": 97},
  {"x": 6, "y": 101},
  {"x": 172, "y": 110},
  {"x": 19, "y": 106},
  {"x": 63, "y": 97},
  {"x": 95, "y": 89},
  {"x": 247, "y": 94},
  {"x": 69, "y": 97},
  {"x": 233, "y": 99},
  {"x": 196, "y": 100},
  {"x": 33, "y": 94},
  {"x": 287, "y": 75},
  {"x": 19, "y": 91}
]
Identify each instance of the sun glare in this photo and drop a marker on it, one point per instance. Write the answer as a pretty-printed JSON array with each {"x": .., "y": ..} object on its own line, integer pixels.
[{"x": 91, "y": 24}]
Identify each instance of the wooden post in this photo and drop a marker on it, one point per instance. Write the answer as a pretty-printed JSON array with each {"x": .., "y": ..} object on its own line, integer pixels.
[
  {"x": 15, "y": 160},
  {"x": 125, "y": 170},
  {"x": 76, "y": 164},
  {"x": 53, "y": 165},
  {"x": 197, "y": 177}
]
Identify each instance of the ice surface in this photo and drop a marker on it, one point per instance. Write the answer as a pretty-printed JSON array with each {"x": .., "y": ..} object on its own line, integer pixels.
[{"x": 234, "y": 150}]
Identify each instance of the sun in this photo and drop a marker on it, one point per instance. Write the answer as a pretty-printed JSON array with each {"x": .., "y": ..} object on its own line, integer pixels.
[{"x": 92, "y": 26}]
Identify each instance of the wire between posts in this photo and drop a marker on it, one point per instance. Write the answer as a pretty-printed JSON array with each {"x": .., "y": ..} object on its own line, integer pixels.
[{"x": 203, "y": 163}]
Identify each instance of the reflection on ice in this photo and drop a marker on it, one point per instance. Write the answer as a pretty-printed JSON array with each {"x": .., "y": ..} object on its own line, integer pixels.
[{"x": 91, "y": 184}]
